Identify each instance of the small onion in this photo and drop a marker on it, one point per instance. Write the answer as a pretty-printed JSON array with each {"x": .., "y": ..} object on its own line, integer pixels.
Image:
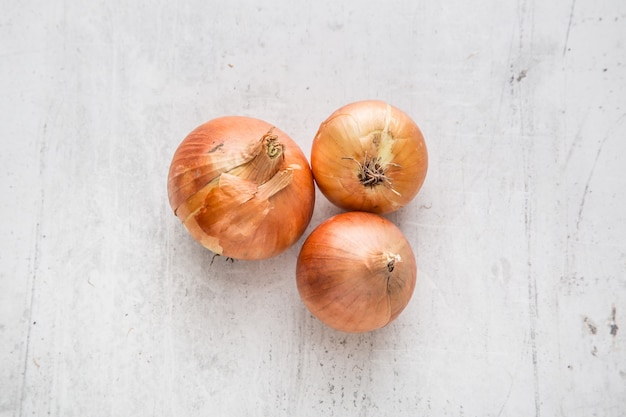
[
  {"x": 369, "y": 156},
  {"x": 356, "y": 272},
  {"x": 241, "y": 187}
]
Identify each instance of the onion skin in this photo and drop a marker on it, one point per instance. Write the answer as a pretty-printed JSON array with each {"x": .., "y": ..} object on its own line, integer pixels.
[
  {"x": 356, "y": 272},
  {"x": 232, "y": 197},
  {"x": 356, "y": 135}
]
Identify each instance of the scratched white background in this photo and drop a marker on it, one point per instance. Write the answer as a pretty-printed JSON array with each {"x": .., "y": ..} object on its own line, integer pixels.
[{"x": 108, "y": 308}]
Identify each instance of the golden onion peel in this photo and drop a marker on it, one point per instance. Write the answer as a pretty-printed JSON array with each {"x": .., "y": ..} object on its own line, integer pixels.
[{"x": 242, "y": 187}]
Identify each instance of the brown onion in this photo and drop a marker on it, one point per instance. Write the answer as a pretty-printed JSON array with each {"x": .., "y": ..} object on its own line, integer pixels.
[
  {"x": 356, "y": 272},
  {"x": 369, "y": 156},
  {"x": 242, "y": 187}
]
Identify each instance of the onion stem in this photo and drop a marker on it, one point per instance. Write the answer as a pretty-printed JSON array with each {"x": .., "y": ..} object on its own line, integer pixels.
[{"x": 265, "y": 163}]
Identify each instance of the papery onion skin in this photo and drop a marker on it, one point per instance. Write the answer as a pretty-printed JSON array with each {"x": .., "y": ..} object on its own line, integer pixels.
[
  {"x": 356, "y": 272},
  {"x": 228, "y": 211},
  {"x": 374, "y": 134}
]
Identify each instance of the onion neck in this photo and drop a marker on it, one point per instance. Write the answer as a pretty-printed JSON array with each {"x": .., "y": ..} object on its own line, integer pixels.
[
  {"x": 266, "y": 161},
  {"x": 391, "y": 261}
]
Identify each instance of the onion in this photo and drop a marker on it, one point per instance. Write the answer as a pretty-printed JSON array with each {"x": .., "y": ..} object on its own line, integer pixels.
[
  {"x": 369, "y": 156},
  {"x": 356, "y": 272},
  {"x": 241, "y": 187}
]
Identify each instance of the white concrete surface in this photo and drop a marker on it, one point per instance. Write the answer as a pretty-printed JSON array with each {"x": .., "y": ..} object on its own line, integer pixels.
[{"x": 108, "y": 308}]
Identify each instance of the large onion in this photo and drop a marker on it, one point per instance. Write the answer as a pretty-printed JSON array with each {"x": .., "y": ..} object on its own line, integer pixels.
[
  {"x": 356, "y": 272},
  {"x": 241, "y": 187},
  {"x": 369, "y": 156}
]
